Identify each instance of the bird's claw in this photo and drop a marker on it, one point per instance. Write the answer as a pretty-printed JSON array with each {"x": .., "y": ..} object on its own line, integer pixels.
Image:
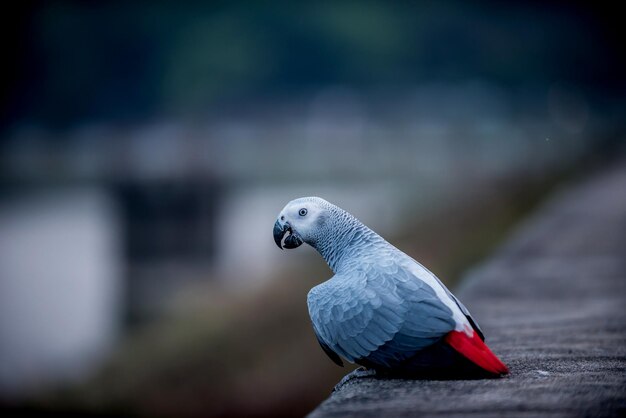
[{"x": 356, "y": 373}]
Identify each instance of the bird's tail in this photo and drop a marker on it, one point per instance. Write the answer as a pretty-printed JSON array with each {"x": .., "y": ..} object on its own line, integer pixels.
[{"x": 475, "y": 350}]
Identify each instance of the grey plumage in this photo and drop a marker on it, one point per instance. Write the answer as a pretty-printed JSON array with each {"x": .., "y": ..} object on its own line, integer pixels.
[{"x": 381, "y": 308}]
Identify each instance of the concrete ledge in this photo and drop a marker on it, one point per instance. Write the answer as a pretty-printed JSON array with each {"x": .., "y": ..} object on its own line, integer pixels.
[{"x": 552, "y": 303}]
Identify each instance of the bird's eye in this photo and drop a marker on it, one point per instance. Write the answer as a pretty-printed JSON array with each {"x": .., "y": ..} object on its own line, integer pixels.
[{"x": 302, "y": 212}]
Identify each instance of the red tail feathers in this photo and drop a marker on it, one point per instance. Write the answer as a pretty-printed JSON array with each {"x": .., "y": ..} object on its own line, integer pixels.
[{"x": 476, "y": 351}]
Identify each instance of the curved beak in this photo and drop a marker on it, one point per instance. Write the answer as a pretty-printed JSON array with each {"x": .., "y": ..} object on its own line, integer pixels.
[{"x": 285, "y": 237}]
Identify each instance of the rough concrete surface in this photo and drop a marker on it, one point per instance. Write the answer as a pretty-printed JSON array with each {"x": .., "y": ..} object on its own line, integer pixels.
[{"x": 552, "y": 303}]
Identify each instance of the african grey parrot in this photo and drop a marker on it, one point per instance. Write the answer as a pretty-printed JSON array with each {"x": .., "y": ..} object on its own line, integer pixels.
[{"x": 382, "y": 309}]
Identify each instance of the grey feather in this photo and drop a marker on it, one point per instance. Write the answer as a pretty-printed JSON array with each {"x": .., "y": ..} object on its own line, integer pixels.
[
  {"x": 373, "y": 316},
  {"x": 381, "y": 307},
  {"x": 330, "y": 353}
]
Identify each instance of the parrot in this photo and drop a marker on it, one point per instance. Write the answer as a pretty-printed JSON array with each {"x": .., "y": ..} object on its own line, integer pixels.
[{"x": 382, "y": 309}]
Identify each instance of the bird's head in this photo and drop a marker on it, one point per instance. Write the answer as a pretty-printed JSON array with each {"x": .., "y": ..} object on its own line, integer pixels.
[{"x": 301, "y": 220}]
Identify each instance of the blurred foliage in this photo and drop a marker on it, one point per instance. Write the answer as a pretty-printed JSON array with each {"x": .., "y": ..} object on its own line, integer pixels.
[{"x": 73, "y": 60}]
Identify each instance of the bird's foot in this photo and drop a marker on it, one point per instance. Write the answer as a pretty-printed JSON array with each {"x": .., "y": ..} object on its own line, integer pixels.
[{"x": 354, "y": 374}]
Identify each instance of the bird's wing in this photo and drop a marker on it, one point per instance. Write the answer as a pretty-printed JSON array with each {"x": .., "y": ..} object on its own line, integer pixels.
[
  {"x": 453, "y": 298},
  {"x": 329, "y": 352},
  {"x": 356, "y": 315},
  {"x": 468, "y": 315}
]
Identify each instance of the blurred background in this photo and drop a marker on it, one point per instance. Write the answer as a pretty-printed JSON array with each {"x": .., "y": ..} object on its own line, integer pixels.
[{"x": 147, "y": 147}]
